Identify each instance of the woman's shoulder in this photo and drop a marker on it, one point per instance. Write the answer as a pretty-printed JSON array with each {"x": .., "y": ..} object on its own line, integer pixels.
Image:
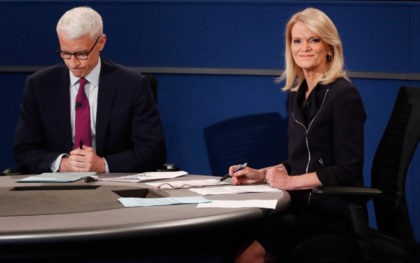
[
  {"x": 342, "y": 85},
  {"x": 344, "y": 93}
]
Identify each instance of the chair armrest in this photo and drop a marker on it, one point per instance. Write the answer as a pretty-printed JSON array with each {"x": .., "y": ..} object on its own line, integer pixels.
[
  {"x": 348, "y": 191},
  {"x": 12, "y": 171},
  {"x": 168, "y": 167}
]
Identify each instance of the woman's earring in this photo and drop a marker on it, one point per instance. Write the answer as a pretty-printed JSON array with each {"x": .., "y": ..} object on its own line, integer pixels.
[{"x": 329, "y": 57}]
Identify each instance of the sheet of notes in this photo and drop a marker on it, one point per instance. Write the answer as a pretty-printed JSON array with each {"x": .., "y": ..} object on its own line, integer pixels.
[
  {"x": 142, "y": 177},
  {"x": 234, "y": 189}
]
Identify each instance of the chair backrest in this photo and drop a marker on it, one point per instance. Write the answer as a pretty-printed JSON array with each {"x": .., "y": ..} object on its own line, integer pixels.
[
  {"x": 391, "y": 162},
  {"x": 260, "y": 140},
  {"x": 153, "y": 85}
]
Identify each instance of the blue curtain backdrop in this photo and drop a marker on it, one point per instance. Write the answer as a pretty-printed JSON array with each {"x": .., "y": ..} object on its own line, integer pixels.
[{"x": 182, "y": 42}]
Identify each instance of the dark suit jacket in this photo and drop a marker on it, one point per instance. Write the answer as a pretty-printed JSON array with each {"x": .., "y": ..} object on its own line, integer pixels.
[{"x": 129, "y": 133}]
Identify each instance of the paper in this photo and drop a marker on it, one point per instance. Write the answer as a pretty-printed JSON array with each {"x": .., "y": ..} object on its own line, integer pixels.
[
  {"x": 133, "y": 202},
  {"x": 234, "y": 189},
  {"x": 187, "y": 183},
  {"x": 261, "y": 203},
  {"x": 141, "y": 177},
  {"x": 55, "y": 177}
]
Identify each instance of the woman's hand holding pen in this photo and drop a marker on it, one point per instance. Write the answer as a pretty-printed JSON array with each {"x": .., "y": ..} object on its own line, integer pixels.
[{"x": 246, "y": 175}]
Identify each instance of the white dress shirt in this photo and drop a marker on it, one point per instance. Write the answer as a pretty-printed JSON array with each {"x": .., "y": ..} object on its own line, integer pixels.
[{"x": 91, "y": 90}]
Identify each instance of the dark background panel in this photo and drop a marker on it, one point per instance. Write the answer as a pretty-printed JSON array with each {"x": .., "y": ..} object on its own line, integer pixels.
[
  {"x": 378, "y": 37},
  {"x": 222, "y": 34}
]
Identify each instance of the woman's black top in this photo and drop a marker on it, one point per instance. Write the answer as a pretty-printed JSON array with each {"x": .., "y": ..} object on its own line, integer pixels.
[{"x": 326, "y": 136}]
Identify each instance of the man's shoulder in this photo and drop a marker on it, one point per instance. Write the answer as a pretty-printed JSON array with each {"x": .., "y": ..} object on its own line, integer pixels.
[
  {"x": 50, "y": 71},
  {"x": 109, "y": 66}
]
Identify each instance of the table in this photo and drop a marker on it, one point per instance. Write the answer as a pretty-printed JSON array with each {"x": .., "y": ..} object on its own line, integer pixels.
[{"x": 84, "y": 221}]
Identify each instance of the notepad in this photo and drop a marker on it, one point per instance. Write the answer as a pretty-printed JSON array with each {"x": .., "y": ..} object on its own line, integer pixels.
[{"x": 56, "y": 177}]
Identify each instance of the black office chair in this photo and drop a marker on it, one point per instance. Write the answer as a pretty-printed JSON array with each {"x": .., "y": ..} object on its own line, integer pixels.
[
  {"x": 153, "y": 85},
  {"x": 393, "y": 239},
  {"x": 259, "y": 139}
]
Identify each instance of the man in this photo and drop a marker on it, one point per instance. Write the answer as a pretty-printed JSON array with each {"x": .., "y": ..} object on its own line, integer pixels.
[{"x": 125, "y": 133}]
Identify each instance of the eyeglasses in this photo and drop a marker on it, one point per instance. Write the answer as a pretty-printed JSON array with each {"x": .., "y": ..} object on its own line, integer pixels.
[
  {"x": 173, "y": 186},
  {"x": 81, "y": 55}
]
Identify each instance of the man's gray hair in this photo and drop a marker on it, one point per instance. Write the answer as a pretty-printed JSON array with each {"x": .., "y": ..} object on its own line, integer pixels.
[{"x": 80, "y": 21}]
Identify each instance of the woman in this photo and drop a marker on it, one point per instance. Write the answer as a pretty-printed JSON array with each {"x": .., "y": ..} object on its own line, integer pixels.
[{"x": 326, "y": 140}]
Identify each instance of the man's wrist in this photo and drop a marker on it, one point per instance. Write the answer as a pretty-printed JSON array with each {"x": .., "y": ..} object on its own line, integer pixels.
[
  {"x": 106, "y": 170},
  {"x": 56, "y": 165}
]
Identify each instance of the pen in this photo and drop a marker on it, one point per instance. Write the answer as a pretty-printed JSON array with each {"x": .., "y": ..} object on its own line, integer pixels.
[
  {"x": 239, "y": 167},
  {"x": 81, "y": 144}
]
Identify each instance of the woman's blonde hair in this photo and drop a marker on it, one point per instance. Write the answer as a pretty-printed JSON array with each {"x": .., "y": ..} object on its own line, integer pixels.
[{"x": 320, "y": 24}]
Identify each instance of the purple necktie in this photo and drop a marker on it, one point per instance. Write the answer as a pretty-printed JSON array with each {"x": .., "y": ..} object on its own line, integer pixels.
[{"x": 82, "y": 133}]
